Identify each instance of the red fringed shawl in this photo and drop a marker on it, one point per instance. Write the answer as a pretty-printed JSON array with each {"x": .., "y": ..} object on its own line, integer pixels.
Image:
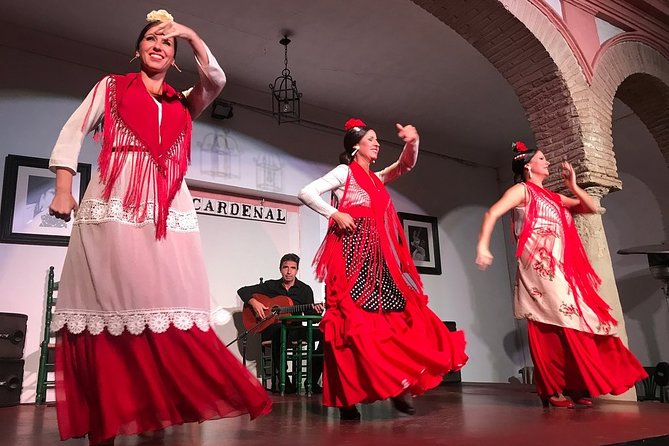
[
  {"x": 131, "y": 125},
  {"x": 379, "y": 237},
  {"x": 582, "y": 278}
]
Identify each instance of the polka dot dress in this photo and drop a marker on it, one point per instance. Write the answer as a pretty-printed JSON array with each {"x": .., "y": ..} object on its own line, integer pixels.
[{"x": 374, "y": 288}]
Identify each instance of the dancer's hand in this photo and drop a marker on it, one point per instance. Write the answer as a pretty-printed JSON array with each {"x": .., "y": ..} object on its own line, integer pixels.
[
  {"x": 62, "y": 205},
  {"x": 483, "y": 258},
  {"x": 176, "y": 30},
  {"x": 568, "y": 175},
  {"x": 344, "y": 221},
  {"x": 407, "y": 133}
]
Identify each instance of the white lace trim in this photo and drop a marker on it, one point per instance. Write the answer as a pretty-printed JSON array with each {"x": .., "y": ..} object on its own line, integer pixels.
[
  {"x": 135, "y": 321},
  {"x": 100, "y": 211}
]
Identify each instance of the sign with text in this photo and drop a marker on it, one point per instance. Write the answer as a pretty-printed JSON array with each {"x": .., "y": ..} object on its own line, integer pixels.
[{"x": 234, "y": 209}]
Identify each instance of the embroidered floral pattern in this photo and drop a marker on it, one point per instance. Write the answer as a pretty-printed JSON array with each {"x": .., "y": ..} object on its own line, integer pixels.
[
  {"x": 603, "y": 328},
  {"x": 99, "y": 211},
  {"x": 135, "y": 322},
  {"x": 536, "y": 294},
  {"x": 544, "y": 264},
  {"x": 569, "y": 310}
]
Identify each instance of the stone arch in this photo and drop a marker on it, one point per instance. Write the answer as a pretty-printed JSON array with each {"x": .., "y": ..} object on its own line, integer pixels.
[
  {"x": 527, "y": 48},
  {"x": 639, "y": 76}
]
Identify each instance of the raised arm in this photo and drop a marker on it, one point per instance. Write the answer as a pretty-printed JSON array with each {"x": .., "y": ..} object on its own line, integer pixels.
[
  {"x": 513, "y": 197},
  {"x": 212, "y": 78},
  {"x": 583, "y": 203},
  {"x": 408, "y": 157}
]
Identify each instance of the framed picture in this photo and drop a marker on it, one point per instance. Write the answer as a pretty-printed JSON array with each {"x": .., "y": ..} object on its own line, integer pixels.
[
  {"x": 27, "y": 191},
  {"x": 422, "y": 233}
]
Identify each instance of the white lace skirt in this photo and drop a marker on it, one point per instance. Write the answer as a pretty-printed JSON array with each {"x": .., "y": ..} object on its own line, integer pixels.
[{"x": 117, "y": 276}]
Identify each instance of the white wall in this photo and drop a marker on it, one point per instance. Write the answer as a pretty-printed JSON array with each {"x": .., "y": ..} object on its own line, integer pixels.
[
  {"x": 38, "y": 92},
  {"x": 639, "y": 215}
]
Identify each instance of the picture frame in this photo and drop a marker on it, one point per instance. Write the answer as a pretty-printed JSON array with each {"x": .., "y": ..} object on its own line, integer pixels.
[
  {"x": 27, "y": 190},
  {"x": 422, "y": 234}
]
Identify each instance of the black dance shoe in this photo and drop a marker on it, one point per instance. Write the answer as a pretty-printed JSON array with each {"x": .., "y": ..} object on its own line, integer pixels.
[
  {"x": 349, "y": 413},
  {"x": 403, "y": 403}
]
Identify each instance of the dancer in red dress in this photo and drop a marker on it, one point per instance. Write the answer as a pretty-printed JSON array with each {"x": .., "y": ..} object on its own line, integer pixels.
[
  {"x": 572, "y": 334},
  {"x": 381, "y": 339},
  {"x": 135, "y": 352}
]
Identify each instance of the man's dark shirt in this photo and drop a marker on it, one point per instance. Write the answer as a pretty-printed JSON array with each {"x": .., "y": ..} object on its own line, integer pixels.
[{"x": 300, "y": 292}]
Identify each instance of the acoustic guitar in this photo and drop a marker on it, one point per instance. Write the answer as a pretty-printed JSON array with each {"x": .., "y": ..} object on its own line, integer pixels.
[{"x": 277, "y": 306}]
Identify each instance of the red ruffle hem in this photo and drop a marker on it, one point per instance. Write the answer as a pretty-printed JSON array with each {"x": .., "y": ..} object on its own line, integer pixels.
[
  {"x": 374, "y": 356},
  {"x": 568, "y": 360},
  {"x": 122, "y": 385}
]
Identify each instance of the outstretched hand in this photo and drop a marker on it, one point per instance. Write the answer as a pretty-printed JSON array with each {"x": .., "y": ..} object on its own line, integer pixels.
[{"x": 407, "y": 133}]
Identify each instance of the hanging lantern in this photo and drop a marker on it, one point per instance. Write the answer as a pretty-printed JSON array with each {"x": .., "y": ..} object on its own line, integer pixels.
[{"x": 285, "y": 97}]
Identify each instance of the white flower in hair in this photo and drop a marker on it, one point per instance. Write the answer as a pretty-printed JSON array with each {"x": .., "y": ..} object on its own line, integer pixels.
[{"x": 159, "y": 16}]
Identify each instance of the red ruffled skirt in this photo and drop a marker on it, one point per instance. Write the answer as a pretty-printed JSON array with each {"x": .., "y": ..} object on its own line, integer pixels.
[
  {"x": 568, "y": 360},
  {"x": 374, "y": 356},
  {"x": 121, "y": 385}
]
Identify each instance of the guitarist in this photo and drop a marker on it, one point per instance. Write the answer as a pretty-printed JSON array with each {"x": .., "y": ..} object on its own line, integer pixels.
[{"x": 300, "y": 293}]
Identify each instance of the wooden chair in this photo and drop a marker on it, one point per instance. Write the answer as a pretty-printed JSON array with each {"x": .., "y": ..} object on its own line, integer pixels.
[
  {"x": 48, "y": 345},
  {"x": 296, "y": 352}
]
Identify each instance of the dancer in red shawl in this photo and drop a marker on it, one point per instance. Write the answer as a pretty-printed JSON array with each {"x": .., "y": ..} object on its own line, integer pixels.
[
  {"x": 381, "y": 339},
  {"x": 135, "y": 352},
  {"x": 571, "y": 331}
]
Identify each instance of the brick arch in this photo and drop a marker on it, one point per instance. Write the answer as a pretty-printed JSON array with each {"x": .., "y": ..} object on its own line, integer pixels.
[
  {"x": 524, "y": 44},
  {"x": 639, "y": 76}
]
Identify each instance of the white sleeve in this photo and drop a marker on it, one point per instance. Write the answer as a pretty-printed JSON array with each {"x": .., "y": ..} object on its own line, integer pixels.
[
  {"x": 211, "y": 82},
  {"x": 311, "y": 193},
  {"x": 85, "y": 118},
  {"x": 404, "y": 164}
]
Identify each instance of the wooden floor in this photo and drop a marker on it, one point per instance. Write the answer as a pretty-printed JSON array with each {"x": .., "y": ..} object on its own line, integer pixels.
[{"x": 469, "y": 414}]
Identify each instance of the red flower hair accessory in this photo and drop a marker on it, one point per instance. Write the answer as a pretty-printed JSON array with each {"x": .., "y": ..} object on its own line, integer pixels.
[
  {"x": 519, "y": 146},
  {"x": 354, "y": 122}
]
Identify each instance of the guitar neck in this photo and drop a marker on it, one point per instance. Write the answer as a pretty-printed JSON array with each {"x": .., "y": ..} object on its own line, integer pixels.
[{"x": 293, "y": 308}]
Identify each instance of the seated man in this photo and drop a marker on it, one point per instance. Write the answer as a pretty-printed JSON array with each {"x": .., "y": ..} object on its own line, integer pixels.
[{"x": 301, "y": 294}]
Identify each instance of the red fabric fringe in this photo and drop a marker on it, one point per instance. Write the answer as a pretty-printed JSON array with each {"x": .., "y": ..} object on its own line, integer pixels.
[
  {"x": 375, "y": 355},
  {"x": 582, "y": 278},
  {"x": 380, "y": 236},
  {"x": 131, "y": 125}
]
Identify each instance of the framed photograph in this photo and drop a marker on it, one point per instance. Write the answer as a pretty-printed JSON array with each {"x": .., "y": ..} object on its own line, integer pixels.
[
  {"x": 27, "y": 191},
  {"x": 422, "y": 234}
]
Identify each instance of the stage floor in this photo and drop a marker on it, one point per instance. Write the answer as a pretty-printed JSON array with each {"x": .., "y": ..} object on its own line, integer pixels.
[{"x": 453, "y": 414}]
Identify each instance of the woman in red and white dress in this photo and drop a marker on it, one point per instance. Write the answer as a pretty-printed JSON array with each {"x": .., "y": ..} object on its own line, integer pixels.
[
  {"x": 572, "y": 334},
  {"x": 381, "y": 339},
  {"x": 135, "y": 352}
]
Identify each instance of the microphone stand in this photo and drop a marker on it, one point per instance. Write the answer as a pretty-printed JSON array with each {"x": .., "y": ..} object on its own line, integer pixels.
[{"x": 244, "y": 335}]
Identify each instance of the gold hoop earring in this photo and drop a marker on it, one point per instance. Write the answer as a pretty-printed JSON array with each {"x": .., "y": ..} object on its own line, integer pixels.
[
  {"x": 529, "y": 172},
  {"x": 136, "y": 56},
  {"x": 174, "y": 64}
]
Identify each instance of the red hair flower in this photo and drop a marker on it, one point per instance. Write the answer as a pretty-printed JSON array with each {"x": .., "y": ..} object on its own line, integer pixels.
[
  {"x": 354, "y": 122},
  {"x": 519, "y": 146}
]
